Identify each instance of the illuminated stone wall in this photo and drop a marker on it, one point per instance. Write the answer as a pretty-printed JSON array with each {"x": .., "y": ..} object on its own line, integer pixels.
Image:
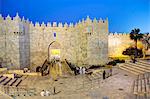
[
  {"x": 86, "y": 42},
  {"x": 14, "y": 42},
  {"x": 118, "y": 42},
  {"x": 25, "y": 44}
]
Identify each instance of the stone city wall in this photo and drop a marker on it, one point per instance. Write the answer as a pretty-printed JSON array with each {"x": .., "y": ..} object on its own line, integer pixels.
[
  {"x": 14, "y": 42},
  {"x": 78, "y": 43},
  {"x": 118, "y": 42},
  {"x": 23, "y": 43}
]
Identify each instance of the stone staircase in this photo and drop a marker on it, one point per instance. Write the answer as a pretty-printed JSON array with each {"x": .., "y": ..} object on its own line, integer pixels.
[
  {"x": 94, "y": 76},
  {"x": 6, "y": 81},
  {"x": 92, "y": 80},
  {"x": 140, "y": 67},
  {"x": 141, "y": 86},
  {"x": 13, "y": 87}
]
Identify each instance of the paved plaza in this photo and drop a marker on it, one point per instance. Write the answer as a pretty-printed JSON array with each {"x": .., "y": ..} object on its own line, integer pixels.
[
  {"x": 117, "y": 86},
  {"x": 63, "y": 84}
]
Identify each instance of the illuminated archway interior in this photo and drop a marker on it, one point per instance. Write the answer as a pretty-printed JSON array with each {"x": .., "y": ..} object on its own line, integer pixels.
[{"x": 55, "y": 50}]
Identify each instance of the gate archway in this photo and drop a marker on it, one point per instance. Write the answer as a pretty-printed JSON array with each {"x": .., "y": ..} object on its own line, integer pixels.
[{"x": 54, "y": 50}]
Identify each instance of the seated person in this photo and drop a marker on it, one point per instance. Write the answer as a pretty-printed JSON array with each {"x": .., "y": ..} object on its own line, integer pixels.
[
  {"x": 25, "y": 70},
  {"x": 42, "y": 93},
  {"x": 47, "y": 93}
]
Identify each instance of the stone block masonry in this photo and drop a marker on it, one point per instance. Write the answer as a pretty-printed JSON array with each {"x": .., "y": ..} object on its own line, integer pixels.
[{"x": 24, "y": 44}]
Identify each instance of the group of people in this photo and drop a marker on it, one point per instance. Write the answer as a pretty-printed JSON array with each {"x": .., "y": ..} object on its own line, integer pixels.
[
  {"x": 80, "y": 70},
  {"x": 45, "y": 93}
]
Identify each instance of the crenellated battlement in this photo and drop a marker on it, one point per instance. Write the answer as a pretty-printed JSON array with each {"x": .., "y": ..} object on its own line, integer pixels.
[
  {"x": 17, "y": 20},
  {"x": 30, "y": 40},
  {"x": 118, "y": 34},
  {"x": 86, "y": 41},
  {"x": 53, "y": 24}
]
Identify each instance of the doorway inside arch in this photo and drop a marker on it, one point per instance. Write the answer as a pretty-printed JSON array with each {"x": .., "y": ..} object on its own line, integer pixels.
[
  {"x": 56, "y": 67},
  {"x": 54, "y": 51}
]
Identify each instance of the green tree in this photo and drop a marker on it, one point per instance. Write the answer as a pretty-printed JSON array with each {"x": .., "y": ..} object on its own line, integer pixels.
[{"x": 136, "y": 35}]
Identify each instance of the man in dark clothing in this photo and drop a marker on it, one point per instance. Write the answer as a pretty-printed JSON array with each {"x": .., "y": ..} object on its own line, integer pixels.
[
  {"x": 0, "y": 64},
  {"x": 104, "y": 74},
  {"x": 54, "y": 90}
]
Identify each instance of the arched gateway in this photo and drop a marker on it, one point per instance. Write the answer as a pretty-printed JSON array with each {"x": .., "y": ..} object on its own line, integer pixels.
[{"x": 54, "y": 49}]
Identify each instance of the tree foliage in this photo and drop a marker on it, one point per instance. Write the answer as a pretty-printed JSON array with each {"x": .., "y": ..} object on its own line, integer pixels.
[
  {"x": 131, "y": 52},
  {"x": 136, "y": 35}
]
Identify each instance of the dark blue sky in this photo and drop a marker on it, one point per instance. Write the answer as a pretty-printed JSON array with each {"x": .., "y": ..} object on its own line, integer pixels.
[{"x": 123, "y": 15}]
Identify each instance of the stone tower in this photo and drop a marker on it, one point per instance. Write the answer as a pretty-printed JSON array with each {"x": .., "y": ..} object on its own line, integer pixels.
[{"x": 14, "y": 43}]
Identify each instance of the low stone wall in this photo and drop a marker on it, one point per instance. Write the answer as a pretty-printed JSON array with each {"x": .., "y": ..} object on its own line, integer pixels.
[
  {"x": 22, "y": 73},
  {"x": 9, "y": 75}
]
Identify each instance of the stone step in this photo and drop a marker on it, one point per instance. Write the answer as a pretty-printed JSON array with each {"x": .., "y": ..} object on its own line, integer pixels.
[
  {"x": 12, "y": 81},
  {"x": 17, "y": 82},
  {"x": 135, "y": 87},
  {"x": 6, "y": 81},
  {"x": 93, "y": 76},
  {"x": 139, "y": 63},
  {"x": 98, "y": 74},
  {"x": 144, "y": 62},
  {"x": 89, "y": 77},
  {"x": 3, "y": 78},
  {"x": 131, "y": 69},
  {"x": 144, "y": 86},
  {"x": 23, "y": 77},
  {"x": 135, "y": 66},
  {"x": 139, "y": 67},
  {"x": 143, "y": 67},
  {"x": 128, "y": 70},
  {"x": 141, "y": 86}
]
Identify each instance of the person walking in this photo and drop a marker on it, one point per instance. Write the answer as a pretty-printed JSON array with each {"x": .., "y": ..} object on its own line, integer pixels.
[
  {"x": 80, "y": 70},
  {"x": 54, "y": 90},
  {"x": 83, "y": 70},
  {"x": 111, "y": 71},
  {"x": 104, "y": 74}
]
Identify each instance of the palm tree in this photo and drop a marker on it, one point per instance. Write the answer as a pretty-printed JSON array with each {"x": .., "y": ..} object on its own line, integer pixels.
[{"x": 136, "y": 35}]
